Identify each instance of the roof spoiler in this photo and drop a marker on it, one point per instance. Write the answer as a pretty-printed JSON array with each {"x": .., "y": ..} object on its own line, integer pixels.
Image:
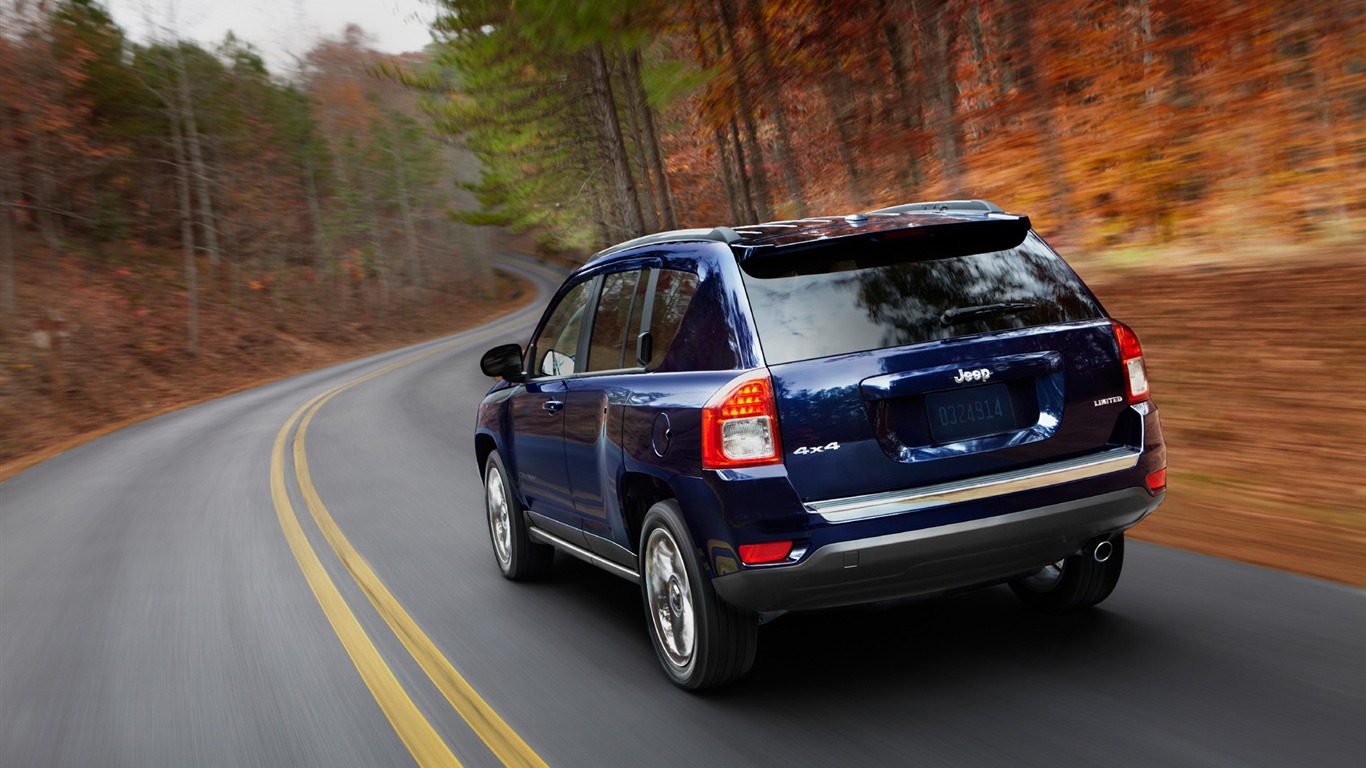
[
  {"x": 731, "y": 237},
  {"x": 939, "y": 240},
  {"x": 944, "y": 206}
]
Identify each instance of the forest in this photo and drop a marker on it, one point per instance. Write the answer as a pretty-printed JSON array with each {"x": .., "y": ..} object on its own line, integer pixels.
[
  {"x": 178, "y": 221},
  {"x": 1119, "y": 123},
  {"x": 117, "y": 148}
]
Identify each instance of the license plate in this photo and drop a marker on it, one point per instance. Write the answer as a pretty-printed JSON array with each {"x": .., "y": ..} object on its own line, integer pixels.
[{"x": 963, "y": 414}]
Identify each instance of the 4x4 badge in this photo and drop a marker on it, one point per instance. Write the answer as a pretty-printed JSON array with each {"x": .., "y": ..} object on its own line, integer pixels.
[
  {"x": 980, "y": 374},
  {"x": 802, "y": 451}
]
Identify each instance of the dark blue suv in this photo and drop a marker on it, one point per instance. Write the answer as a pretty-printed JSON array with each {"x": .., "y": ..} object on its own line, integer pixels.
[{"x": 822, "y": 412}]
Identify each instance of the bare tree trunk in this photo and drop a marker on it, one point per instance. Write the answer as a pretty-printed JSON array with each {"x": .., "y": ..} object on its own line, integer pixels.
[
  {"x": 728, "y": 181},
  {"x": 1038, "y": 103},
  {"x": 377, "y": 242},
  {"x": 315, "y": 214},
  {"x": 342, "y": 283},
  {"x": 54, "y": 327},
  {"x": 663, "y": 190},
  {"x": 605, "y": 234},
  {"x": 8, "y": 304},
  {"x": 723, "y": 158},
  {"x": 939, "y": 39},
  {"x": 9, "y": 192},
  {"x": 1146, "y": 40},
  {"x": 48, "y": 221},
  {"x": 409, "y": 231},
  {"x": 769, "y": 83},
  {"x": 838, "y": 94},
  {"x": 633, "y": 110},
  {"x": 1328, "y": 103},
  {"x": 196, "y": 153},
  {"x": 616, "y": 149},
  {"x": 972, "y": 26},
  {"x": 186, "y": 231},
  {"x": 762, "y": 198},
  {"x": 748, "y": 209},
  {"x": 907, "y": 108},
  {"x": 1182, "y": 178}
]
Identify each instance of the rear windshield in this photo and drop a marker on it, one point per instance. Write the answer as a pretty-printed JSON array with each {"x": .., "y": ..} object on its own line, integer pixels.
[{"x": 865, "y": 296}]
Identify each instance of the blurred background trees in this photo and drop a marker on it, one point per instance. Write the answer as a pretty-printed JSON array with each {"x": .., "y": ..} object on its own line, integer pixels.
[
  {"x": 325, "y": 187},
  {"x": 350, "y": 184},
  {"x": 1135, "y": 122}
]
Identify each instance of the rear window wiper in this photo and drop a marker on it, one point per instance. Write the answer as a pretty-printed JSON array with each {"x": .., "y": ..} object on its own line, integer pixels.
[{"x": 965, "y": 314}]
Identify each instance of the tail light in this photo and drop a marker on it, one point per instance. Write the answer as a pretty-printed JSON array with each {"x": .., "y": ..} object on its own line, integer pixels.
[
  {"x": 1156, "y": 481},
  {"x": 740, "y": 425},
  {"x": 1131, "y": 357}
]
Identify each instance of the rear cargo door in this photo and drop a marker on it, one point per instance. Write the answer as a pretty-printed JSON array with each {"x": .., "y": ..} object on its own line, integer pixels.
[{"x": 896, "y": 366}]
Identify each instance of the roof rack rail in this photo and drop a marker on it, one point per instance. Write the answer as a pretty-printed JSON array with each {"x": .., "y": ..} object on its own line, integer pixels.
[
  {"x": 719, "y": 234},
  {"x": 943, "y": 206}
]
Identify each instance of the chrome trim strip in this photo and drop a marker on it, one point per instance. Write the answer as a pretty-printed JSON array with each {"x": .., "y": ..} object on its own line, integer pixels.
[
  {"x": 626, "y": 553},
  {"x": 915, "y": 499},
  {"x": 585, "y": 555}
]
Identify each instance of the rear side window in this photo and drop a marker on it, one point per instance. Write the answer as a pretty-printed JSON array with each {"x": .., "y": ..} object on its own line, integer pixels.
[
  {"x": 617, "y": 322},
  {"x": 866, "y": 296},
  {"x": 632, "y": 303},
  {"x": 673, "y": 294}
]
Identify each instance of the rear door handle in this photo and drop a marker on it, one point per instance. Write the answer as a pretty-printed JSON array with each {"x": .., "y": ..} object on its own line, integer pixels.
[{"x": 553, "y": 406}]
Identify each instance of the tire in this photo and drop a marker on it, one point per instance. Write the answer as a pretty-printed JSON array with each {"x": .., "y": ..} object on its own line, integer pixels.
[
  {"x": 518, "y": 557},
  {"x": 1073, "y": 583},
  {"x": 701, "y": 640}
]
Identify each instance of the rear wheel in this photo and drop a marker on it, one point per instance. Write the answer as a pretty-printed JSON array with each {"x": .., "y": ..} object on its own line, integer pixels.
[
  {"x": 1073, "y": 583},
  {"x": 701, "y": 640},
  {"x": 518, "y": 556}
]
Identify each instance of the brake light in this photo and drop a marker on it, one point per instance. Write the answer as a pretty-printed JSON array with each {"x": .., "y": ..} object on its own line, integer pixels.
[
  {"x": 767, "y": 552},
  {"x": 740, "y": 425},
  {"x": 1131, "y": 357}
]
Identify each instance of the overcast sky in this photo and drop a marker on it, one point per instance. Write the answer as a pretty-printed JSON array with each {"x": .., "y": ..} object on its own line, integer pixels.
[{"x": 279, "y": 28}]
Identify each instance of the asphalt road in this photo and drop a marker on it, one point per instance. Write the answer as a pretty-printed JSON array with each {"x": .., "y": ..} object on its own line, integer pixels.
[{"x": 158, "y": 608}]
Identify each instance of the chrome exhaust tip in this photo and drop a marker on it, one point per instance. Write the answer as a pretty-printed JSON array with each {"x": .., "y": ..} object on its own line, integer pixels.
[{"x": 1102, "y": 551}]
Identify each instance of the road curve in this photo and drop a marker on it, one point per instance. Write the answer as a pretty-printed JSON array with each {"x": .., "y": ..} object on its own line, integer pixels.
[{"x": 155, "y": 610}]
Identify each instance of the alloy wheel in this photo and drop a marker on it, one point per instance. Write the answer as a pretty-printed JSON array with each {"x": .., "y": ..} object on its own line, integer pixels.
[
  {"x": 670, "y": 598},
  {"x": 500, "y": 521}
]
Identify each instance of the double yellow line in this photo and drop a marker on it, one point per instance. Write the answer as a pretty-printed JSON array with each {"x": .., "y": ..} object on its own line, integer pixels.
[{"x": 417, "y": 733}]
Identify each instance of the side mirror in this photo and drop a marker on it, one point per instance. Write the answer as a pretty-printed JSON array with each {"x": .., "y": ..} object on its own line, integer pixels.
[{"x": 503, "y": 361}]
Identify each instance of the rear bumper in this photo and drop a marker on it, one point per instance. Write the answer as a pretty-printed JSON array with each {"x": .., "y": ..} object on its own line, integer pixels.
[{"x": 938, "y": 559}]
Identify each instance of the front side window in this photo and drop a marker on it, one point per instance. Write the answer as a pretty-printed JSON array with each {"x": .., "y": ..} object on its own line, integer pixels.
[{"x": 558, "y": 345}]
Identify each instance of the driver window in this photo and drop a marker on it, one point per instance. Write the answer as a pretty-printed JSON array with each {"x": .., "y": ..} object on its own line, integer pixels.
[{"x": 558, "y": 344}]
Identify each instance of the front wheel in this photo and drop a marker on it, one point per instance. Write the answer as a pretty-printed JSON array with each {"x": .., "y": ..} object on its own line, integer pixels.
[
  {"x": 518, "y": 556},
  {"x": 701, "y": 640},
  {"x": 1073, "y": 583}
]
